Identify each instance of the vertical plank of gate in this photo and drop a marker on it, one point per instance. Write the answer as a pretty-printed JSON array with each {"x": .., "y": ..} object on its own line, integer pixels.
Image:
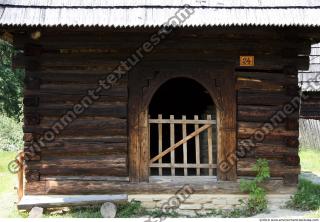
[
  {"x": 160, "y": 143},
  {"x": 185, "y": 147},
  {"x": 210, "y": 147},
  {"x": 196, "y": 126},
  {"x": 172, "y": 142}
]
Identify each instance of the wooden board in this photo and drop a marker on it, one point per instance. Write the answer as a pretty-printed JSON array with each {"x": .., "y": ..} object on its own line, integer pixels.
[
  {"x": 164, "y": 185},
  {"x": 53, "y": 201}
]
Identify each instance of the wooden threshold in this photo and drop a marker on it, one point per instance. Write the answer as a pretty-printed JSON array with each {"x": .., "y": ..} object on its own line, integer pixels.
[
  {"x": 51, "y": 201},
  {"x": 156, "y": 185}
]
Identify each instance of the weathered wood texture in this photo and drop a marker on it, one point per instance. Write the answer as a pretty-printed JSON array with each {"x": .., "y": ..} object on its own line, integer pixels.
[
  {"x": 310, "y": 106},
  {"x": 268, "y": 105},
  {"x": 62, "y": 66},
  {"x": 162, "y": 185},
  {"x": 90, "y": 143},
  {"x": 56, "y": 201}
]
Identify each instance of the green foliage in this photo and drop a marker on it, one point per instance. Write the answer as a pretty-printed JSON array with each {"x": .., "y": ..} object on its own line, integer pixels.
[
  {"x": 306, "y": 198},
  {"x": 130, "y": 210},
  {"x": 10, "y": 134},
  {"x": 77, "y": 212},
  {"x": 234, "y": 213},
  {"x": 11, "y": 83},
  {"x": 134, "y": 209},
  {"x": 257, "y": 201},
  {"x": 158, "y": 213}
]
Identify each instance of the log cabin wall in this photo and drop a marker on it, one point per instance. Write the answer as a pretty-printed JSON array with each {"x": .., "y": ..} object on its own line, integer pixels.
[{"x": 61, "y": 66}]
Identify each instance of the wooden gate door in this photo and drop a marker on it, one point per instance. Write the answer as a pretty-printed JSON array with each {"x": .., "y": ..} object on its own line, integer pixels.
[{"x": 199, "y": 127}]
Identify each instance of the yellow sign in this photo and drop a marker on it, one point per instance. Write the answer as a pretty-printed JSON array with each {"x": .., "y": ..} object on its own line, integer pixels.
[{"x": 246, "y": 60}]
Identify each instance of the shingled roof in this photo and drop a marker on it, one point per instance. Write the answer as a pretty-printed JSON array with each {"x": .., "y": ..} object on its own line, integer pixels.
[{"x": 153, "y": 13}]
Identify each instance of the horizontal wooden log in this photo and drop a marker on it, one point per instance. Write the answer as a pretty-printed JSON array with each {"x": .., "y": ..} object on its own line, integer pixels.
[
  {"x": 271, "y": 150},
  {"x": 77, "y": 131},
  {"x": 265, "y": 149},
  {"x": 85, "y": 178},
  {"x": 274, "y": 76},
  {"x": 277, "y": 168},
  {"x": 79, "y": 90},
  {"x": 256, "y": 84},
  {"x": 74, "y": 162},
  {"x": 79, "y": 126},
  {"x": 165, "y": 186},
  {"x": 83, "y": 171},
  {"x": 87, "y": 122},
  {"x": 73, "y": 78},
  {"x": 52, "y": 98},
  {"x": 89, "y": 140},
  {"x": 93, "y": 110},
  {"x": 247, "y": 130},
  {"x": 263, "y": 113},
  {"x": 88, "y": 165},
  {"x": 253, "y": 97},
  {"x": 55, "y": 149}
]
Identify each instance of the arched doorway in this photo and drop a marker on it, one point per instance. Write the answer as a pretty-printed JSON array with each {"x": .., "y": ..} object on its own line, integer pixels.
[
  {"x": 178, "y": 109},
  {"x": 144, "y": 82}
]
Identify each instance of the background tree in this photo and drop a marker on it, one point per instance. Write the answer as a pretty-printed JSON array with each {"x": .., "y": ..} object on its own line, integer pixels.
[{"x": 11, "y": 83}]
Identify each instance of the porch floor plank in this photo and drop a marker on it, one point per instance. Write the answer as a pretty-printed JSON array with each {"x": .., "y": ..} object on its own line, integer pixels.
[{"x": 51, "y": 201}]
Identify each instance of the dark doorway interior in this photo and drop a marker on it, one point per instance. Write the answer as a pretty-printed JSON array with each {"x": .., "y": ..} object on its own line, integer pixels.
[{"x": 179, "y": 96}]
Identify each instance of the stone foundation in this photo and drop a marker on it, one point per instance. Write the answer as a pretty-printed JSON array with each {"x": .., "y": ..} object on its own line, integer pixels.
[{"x": 202, "y": 203}]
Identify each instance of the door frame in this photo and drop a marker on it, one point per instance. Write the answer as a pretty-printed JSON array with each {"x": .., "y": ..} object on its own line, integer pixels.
[{"x": 144, "y": 81}]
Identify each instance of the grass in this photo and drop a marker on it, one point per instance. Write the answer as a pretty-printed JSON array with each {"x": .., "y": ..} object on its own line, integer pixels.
[
  {"x": 310, "y": 160},
  {"x": 7, "y": 183},
  {"x": 77, "y": 212},
  {"x": 307, "y": 197},
  {"x": 7, "y": 179},
  {"x": 131, "y": 210}
]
